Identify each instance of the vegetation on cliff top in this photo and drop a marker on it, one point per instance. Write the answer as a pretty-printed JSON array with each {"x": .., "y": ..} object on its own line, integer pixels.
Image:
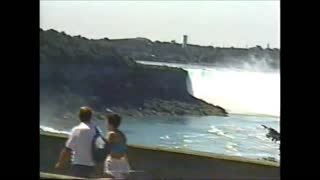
[{"x": 58, "y": 47}]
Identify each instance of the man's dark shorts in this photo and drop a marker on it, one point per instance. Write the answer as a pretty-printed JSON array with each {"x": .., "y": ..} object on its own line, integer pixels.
[{"x": 82, "y": 171}]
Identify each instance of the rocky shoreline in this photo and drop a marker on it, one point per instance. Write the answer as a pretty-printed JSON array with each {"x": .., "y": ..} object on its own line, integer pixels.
[{"x": 158, "y": 107}]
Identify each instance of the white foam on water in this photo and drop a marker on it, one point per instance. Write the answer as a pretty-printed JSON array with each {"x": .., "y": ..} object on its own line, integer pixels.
[
  {"x": 187, "y": 141},
  {"x": 231, "y": 146},
  {"x": 165, "y": 137},
  {"x": 52, "y": 130},
  {"x": 219, "y": 132}
]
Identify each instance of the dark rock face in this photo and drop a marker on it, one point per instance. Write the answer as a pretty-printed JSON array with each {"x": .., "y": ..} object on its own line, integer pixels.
[
  {"x": 75, "y": 71},
  {"x": 114, "y": 85},
  {"x": 273, "y": 134},
  {"x": 272, "y": 159}
]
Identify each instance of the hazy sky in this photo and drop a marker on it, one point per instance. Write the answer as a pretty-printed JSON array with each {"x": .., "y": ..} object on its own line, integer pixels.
[{"x": 216, "y": 23}]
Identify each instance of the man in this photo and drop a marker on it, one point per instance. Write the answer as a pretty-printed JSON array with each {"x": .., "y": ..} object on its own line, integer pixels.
[{"x": 79, "y": 147}]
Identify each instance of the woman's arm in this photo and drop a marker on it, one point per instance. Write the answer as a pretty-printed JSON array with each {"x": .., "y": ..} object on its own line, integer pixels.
[{"x": 111, "y": 137}]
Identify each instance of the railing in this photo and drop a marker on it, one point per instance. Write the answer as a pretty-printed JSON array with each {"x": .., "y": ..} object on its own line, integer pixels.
[
  {"x": 158, "y": 163},
  {"x": 44, "y": 175}
]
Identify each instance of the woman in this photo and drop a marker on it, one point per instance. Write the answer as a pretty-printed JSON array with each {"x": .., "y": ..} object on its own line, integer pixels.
[{"x": 116, "y": 163}]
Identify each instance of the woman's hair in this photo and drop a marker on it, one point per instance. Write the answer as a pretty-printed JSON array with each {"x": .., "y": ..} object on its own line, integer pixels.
[
  {"x": 114, "y": 120},
  {"x": 85, "y": 114}
]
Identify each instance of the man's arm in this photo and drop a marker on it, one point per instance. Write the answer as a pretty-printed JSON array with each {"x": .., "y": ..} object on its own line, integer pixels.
[
  {"x": 64, "y": 156},
  {"x": 66, "y": 152}
]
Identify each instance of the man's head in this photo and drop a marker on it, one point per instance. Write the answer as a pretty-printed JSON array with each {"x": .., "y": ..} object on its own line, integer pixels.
[{"x": 85, "y": 114}]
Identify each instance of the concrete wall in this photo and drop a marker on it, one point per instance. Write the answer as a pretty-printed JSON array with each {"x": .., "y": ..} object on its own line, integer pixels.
[{"x": 159, "y": 163}]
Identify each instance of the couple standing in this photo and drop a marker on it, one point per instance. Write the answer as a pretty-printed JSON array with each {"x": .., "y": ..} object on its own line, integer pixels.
[{"x": 78, "y": 146}]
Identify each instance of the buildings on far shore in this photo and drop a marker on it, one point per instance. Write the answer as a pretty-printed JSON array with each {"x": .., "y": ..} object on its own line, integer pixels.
[{"x": 185, "y": 41}]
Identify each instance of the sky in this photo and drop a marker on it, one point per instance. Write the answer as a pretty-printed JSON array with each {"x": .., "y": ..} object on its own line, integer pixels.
[{"x": 215, "y": 23}]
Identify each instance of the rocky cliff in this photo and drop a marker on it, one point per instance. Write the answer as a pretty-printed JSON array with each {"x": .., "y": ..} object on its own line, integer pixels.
[{"x": 75, "y": 71}]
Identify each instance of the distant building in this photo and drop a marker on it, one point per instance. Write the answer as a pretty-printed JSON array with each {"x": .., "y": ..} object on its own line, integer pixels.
[
  {"x": 268, "y": 46},
  {"x": 185, "y": 41}
]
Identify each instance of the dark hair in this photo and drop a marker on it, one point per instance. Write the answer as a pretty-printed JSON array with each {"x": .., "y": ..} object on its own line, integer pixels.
[
  {"x": 114, "y": 120},
  {"x": 85, "y": 114}
]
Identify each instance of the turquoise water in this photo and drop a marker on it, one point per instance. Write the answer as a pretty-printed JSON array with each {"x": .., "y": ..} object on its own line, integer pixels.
[{"x": 236, "y": 135}]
